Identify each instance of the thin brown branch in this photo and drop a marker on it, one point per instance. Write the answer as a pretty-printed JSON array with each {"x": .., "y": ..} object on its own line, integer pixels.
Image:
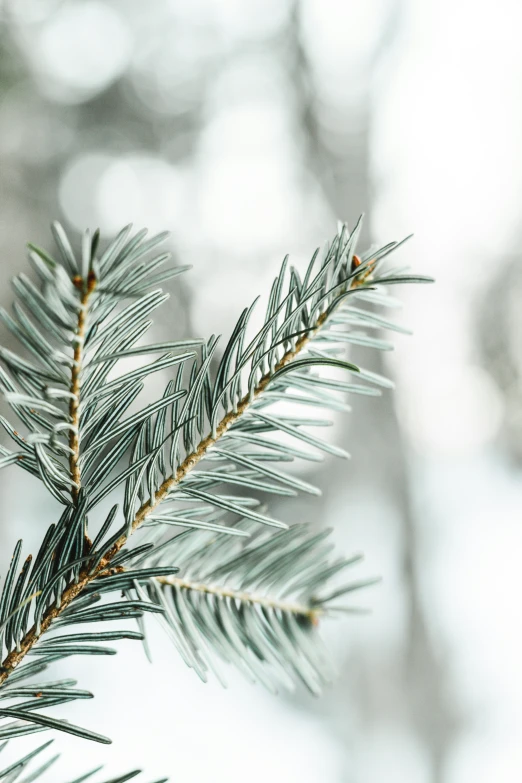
[
  {"x": 267, "y": 602},
  {"x": 87, "y": 287}
]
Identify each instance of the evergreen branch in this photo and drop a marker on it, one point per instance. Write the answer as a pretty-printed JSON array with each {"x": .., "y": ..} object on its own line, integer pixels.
[
  {"x": 72, "y": 308},
  {"x": 256, "y": 602},
  {"x": 300, "y": 327},
  {"x": 63, "y": 397},
  {"x": 46, "y": 615},
  {"x": 219, "y": 421},
  {"x": 193, "y": 459}
]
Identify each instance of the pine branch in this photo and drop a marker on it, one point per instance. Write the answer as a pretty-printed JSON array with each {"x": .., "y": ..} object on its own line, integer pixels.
[
  {"x": 255, "y": 602},
  {"x": 219, "y": 421},
  {"x": 63, "y": 396},
  {"x": 307, "y": 312},
  {"x": 73, "y": 306}
]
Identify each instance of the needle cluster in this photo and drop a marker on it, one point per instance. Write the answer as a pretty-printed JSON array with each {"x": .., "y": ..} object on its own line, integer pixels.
[{"x": 231, "y": 584}]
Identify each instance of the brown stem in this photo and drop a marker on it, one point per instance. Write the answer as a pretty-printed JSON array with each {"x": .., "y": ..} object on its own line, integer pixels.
[
  {"x": 87, "y": 287},
  {"x": 311, "y": 614}
]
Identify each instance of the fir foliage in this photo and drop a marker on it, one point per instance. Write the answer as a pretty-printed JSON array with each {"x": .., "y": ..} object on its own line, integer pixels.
[{"x": 228, "y": 581}]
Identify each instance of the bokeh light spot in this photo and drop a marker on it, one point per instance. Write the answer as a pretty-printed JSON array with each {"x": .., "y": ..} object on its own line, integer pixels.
[{"x": 80, "y": 50}]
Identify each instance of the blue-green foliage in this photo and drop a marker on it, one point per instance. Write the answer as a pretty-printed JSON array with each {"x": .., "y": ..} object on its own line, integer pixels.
[{"x": 227, "y": 580}]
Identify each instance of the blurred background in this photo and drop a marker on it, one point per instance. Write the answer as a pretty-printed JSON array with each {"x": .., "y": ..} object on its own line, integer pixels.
[{"x": 247, "y": 129}]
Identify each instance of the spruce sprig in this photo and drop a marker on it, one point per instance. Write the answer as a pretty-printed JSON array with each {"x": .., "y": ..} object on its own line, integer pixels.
[{"x": 229, "y": 586}]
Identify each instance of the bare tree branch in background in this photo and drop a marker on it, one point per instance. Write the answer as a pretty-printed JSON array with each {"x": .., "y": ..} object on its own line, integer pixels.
[{"x": 413, "y": 686}]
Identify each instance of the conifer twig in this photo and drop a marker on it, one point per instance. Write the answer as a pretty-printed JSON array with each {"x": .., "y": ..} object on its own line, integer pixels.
[
  {"x": 246, "y": 594},
  {"x": 190, "y": 462},
  {"x": 310, "y": 613}
]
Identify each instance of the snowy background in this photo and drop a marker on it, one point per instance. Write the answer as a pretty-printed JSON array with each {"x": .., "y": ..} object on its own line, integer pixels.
[{"x": 246, "y": 129}]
